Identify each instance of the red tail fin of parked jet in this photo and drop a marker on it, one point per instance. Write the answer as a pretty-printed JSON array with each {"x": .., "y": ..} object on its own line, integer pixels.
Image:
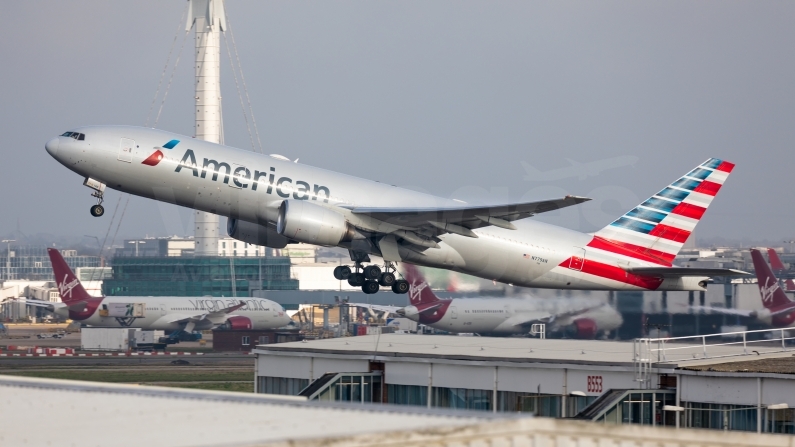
[
  {"x": 772, "y": 295},
  {"x": 778, "y": 268},
  {"x": 419, "y": 290},
  {"x": 68, "y": 285}
]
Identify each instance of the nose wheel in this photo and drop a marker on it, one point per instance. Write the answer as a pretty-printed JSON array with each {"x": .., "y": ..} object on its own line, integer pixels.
[{"x": 99, "y": 194}]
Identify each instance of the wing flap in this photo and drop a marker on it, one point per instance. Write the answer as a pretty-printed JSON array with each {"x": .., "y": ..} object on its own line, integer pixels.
[
  {"x": 677, "y": 272},
  {"x": 468, "y": 216}
]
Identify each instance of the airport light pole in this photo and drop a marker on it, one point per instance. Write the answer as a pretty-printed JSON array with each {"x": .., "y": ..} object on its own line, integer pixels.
[
  {"x": 209, "y": 19},
  {"x": 8, "y": 258}
]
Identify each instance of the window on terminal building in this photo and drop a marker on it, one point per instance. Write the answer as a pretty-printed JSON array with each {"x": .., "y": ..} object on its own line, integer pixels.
[{"x": 246, "y": 340}]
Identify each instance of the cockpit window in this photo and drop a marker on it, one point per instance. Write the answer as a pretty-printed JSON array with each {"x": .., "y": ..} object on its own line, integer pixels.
[{"x": 76, "y": 135}]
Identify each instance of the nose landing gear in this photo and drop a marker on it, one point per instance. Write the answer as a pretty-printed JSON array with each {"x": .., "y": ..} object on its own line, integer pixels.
[{"x": 99, "y": 193}]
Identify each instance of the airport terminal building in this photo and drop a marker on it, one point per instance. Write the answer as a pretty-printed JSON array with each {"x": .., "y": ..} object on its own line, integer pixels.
[{"x": 699, "y": 382}]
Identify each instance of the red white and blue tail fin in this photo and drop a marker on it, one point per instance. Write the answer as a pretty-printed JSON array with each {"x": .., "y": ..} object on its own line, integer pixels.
[
  {"x": 419, "y": 290},
  {"x": 655, "y": 230},
  {"x": 778, "y": 269}
]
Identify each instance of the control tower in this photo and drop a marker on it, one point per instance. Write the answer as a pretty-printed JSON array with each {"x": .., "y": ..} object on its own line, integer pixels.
[{"x": 208, "y": 19}]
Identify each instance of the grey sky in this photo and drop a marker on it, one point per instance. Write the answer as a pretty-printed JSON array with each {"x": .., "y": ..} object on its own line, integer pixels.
[{"x": 447, "y": 97}]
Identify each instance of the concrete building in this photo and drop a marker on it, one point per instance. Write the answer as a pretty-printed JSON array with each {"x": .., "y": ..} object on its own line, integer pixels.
[
  {"x": 689, "y": 382},
  {"x": 98, "y": 414}
]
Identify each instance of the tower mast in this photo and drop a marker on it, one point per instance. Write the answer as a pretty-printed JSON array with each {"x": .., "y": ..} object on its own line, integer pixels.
[{"x": 209, "y": 20}]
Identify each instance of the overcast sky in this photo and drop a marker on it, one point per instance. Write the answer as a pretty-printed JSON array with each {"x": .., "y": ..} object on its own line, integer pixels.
[{"x": 447, "y": 97}]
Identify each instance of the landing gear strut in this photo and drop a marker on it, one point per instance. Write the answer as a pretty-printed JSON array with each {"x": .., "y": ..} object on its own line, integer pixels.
[{"x": 99, "y": 193}]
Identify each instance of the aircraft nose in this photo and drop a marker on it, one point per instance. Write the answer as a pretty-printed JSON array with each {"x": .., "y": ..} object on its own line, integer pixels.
[{"x": 52, "y": 146}]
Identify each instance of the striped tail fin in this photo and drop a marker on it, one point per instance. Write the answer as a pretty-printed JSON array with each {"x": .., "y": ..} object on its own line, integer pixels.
[{"x": 655, "y": 230}]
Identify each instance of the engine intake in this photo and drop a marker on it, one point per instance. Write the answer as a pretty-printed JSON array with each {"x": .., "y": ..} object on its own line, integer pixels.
[
  {"x": 237, "y": 323},
  {"x": 584, "y": 329},
  {"x": 312, "y": 224},
  {"x": 254, "y": 234}
]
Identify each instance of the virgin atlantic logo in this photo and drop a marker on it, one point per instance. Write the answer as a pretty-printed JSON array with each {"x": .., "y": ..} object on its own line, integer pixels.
[
  {"x": 768, "y": 290},
  {"x": 65, "y": 288},
  {"x": 416, "y": 290}
]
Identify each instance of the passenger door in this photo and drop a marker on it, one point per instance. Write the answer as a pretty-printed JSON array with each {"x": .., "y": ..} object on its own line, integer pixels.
[
  {"x": 126, "y": 147},
  {"x": 577, "y": 259},
  {"x": 453, "y": 313}
]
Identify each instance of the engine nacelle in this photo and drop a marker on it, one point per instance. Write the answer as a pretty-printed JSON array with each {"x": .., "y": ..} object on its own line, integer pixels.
[
  {"x": 584, "y": 328},
  {"x": 254, "y": 234},
  {"x": 306, "y": 222},
  {"x": 237, "y": 323}
]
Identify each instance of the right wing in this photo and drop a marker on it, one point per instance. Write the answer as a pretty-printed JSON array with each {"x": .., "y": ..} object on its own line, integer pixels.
[{"x": 725, "y": 311}]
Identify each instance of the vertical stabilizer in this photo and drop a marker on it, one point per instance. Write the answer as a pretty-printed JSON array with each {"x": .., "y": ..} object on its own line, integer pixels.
[
  {"x": 771, "y": 293},
  {"x": 778, "y": 269},
  {"x": 655, "y": 230},
  {"x": 69, "y": 286},
  {"x": 419, "y": 290}
]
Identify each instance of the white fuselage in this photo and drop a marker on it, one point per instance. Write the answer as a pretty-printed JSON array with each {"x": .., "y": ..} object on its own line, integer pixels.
[
  {"x": 170, "y": 313},
  {"x": 255, "y": 185},
  {"x": 498, "y": 315}
]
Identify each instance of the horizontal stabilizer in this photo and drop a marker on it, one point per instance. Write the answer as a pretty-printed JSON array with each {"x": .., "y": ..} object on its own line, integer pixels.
[{"x": 677, "y": 272}]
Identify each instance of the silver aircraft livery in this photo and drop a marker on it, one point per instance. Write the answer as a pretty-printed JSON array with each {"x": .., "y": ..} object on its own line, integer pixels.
[{"x": 272, "y": 201}]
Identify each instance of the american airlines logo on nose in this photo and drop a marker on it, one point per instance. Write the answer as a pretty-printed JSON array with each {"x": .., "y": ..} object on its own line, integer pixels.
[{"x": 157, "y": 155}]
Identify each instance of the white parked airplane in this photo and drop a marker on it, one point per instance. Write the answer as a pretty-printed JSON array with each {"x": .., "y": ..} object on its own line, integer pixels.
[
  {"x": 272, "y": 201},
  {"x": 575, "y": 318},
  {"x": 158, "y": 313}
]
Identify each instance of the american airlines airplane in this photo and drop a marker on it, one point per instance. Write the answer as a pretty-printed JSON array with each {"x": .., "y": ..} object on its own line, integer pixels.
[
  {"x": 582, "y": 319},
  {"x": 158, "y": 313},
  {"x": 273, "y": 202}
]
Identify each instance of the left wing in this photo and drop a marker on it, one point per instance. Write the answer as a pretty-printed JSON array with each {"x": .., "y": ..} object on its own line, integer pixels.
[
  {"x": 677, "y": 272},
  {"x": 216, "y": 317},
  {"x": 462, "y": 219}
]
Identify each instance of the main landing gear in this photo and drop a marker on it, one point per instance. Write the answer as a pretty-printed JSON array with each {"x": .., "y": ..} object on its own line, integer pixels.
[{"x": 371, "y": 278}]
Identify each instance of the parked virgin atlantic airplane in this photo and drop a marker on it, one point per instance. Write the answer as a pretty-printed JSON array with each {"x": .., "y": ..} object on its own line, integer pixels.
[
  {"x": 272, "y": 201},
  {"x": 158, "y": 312},
  {"x": 582, "y": 319}
]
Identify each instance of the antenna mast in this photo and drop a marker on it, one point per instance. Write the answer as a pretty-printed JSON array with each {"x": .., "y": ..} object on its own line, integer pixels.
[{"x": 209, "y": 20}]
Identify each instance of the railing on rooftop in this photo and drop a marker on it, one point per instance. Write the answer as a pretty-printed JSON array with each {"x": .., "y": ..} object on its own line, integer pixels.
[{"x": 711, "y": 346}]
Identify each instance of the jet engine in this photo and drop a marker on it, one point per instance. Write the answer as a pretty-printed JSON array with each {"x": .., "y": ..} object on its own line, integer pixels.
[
  {"x": 306, "y": 222},
  {"x": 237, "y": 323},
  {"x": 583, "y": 328},
  {"x": 254, "y": 234}
]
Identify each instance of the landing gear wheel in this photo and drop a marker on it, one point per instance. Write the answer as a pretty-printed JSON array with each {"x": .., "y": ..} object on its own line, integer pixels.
[
  {"x": 345, "y": 272},
  {"x": 400, "y": 286},
  {"x": 97, "y": 210},
  {"x": 370, "y": 287},
  {"x": 356, "y": 279},
  {"x": 372, "y": 272},
  {"x": 386, "y": 279}
]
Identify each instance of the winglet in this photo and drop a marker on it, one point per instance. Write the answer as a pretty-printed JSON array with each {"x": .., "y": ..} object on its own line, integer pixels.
[{"x": 69, "y": 287}]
